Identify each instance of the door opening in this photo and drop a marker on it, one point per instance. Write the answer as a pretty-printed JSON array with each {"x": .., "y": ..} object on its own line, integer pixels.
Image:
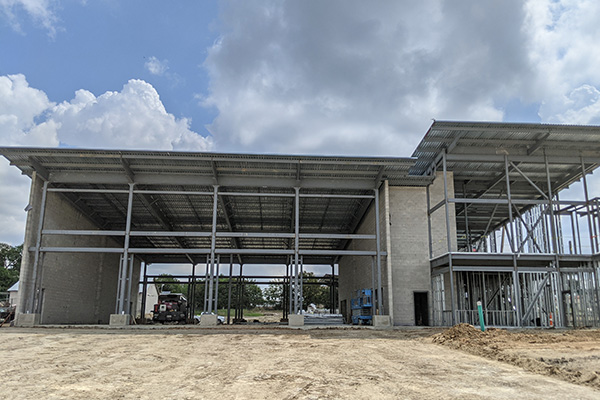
[{"x": 421, "y": 309}]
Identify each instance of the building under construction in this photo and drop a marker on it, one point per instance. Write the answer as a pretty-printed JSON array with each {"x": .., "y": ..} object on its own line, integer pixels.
[{"x": 477, "y": 214}]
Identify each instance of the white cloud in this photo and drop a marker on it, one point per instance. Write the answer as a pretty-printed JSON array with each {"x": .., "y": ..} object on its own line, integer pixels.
[
  {"x": 40, "y": 11},
  {"x": 565, "y": 47},
  {"x": 20, "y": 107},
  {"x": 351, "y": 77},
  {"x": 133, "y": 118},
  {"x": 156, "y": 66}
]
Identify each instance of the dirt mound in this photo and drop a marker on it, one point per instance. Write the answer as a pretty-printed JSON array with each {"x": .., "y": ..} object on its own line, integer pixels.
[
  {"x": 514, "y": 347},
  {"x": 460, "y": 332},
  {"x": 465, "y": 334}
]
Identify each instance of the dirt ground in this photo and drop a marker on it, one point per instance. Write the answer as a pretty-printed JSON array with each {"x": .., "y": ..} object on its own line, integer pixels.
[
  {"x": 570, "y": 355},
  {"x": 267, "y": 363}
]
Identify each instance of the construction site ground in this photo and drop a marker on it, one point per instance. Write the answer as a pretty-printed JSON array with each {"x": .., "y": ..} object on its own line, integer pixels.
[{"x": 254, "y": 362}]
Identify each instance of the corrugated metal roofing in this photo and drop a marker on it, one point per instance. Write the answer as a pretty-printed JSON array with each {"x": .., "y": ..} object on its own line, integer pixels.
[
  {"x": 476, "y": 151},
  {"x": 180, "y": 172}
]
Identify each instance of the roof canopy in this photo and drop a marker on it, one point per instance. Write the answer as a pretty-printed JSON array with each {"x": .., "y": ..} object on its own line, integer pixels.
[
  {"x": 174, "y": 193},
  {"x": 479, "y": 154},
  {"x": 173, "y": 190}
]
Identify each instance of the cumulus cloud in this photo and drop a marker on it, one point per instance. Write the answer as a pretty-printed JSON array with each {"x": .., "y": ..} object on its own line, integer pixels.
[
  {"x": 156, "y": 66},
  {"x": 40, "y": 11},
  {"x": 20, "y": 108},
  {"x": 133, "y": 118},
  {"x": 349, "y": 77},
  {"x": 564, "y": 45}
]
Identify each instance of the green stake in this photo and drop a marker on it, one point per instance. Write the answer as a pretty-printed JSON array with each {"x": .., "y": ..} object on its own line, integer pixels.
[{"x": 480, "y": 310}]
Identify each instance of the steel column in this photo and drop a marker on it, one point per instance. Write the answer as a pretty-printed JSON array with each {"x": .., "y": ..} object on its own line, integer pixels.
[
  {"x": 31, "y": 306},
  {"x": 515, "y": 272},
  {"x": 510, "y": 206},
  {"x": 378, "y": 256},
  {"x": 301, "y": 282},
  {"x": 448, "y": 239},
  {"x": 553, "y": 234},
  {"x": 373, "y": 302},
  {"x": 467, "y": 233},
  {"x": 587, "y": 207},
  {"x": 125, "y": 262},
  {"x": 206, "y": 284},
  {"x": 213, "y": 244},
  {"x": 129, "y": 284},
  {"x": 296, "y": 245},
  {"x": 144, "y": 294},
  {"x": 217, "y": 284},
  {"x": 229, "y": 289},
  {"x": 288, "y": 270},
  {"x": 193, "y": 296}
]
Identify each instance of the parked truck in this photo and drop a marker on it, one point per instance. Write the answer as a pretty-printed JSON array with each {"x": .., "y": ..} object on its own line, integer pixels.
[{"x": 171, "y": 307}]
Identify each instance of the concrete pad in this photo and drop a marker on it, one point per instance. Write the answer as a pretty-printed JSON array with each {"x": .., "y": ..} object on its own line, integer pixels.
[
  {"x": 27, "y": 320},
  {"x": 382, "y": 321},
  {"x": 295, "y": 320},
  {"x": 208, "y": 320},
  {"x": 120, "y": 319}
]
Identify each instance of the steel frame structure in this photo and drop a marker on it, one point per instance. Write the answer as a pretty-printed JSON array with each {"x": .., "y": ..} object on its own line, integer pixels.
[
  {"x": 196, "y": 208},
  {"x": 511, "y": 245},
  {"x": 510, "y": 250}
]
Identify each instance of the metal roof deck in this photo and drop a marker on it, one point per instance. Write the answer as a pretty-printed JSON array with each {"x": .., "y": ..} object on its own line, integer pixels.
[
  {"x": 173, "y": 193},
  {"x": 476, "y": 154},
  {"x": 174, "y": 189}
]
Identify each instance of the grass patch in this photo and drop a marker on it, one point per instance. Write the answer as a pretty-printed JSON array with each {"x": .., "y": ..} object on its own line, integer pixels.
[{"x": 247, "y": 313}]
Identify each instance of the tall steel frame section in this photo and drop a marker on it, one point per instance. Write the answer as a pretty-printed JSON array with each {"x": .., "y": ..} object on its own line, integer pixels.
[
  {"x": 548, "y": 200},
  {"x": 127, "y": 252}
]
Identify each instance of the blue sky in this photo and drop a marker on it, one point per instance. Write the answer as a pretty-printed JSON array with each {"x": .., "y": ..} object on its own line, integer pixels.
[
  {"x": 100, "y": 45},
  {"x": 336, "y": 77}
]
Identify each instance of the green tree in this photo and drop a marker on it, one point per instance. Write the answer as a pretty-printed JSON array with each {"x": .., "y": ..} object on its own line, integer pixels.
[
  {"x": 253, "y": 296},
  {"x": 10, "y": 265},
  {"x": 163, "y": 284},
  {"x": 314, "y": 293},
  {"x": 273, "y": 295}
]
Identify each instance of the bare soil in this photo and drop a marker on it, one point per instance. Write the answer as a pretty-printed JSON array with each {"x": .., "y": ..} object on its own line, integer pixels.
[
  {"x": 570, "y": 355},
  {"x": 267, "y": 363}
]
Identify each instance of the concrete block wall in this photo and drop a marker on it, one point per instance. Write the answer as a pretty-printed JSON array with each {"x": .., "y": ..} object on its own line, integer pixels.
[
  {"x": 77, "y": 288},
  {"x": 409, "y": 250},
  {"x": 438, "y": 218}
]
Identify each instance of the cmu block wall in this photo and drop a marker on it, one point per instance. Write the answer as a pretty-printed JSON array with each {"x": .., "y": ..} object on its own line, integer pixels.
[
  {"x": 77, "y": 288},
  {"x": 409, "y": 250}
]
